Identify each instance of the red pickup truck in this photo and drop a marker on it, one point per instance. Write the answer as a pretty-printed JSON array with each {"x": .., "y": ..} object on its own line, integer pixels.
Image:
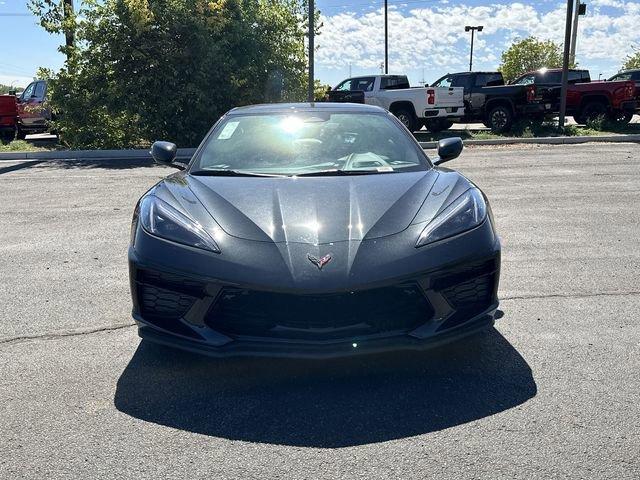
[
  {"x": 585, "y": 99},
  {"x": 26, "y": 114},
  {"x": 8, "y": 116}
]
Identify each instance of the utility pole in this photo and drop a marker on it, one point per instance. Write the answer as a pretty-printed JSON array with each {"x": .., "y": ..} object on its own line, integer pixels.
[
  {"x": 565, "y": 65},
  {"x": 312, "y": 11},
  {"x": 473, "y": 31},
  {"x": 580, "y": 9},
  {"x": 67, "y": 9},
  {"x": 386, "y": 39}
]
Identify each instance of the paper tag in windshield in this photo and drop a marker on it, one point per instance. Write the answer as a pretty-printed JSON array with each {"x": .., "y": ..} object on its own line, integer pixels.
[
  {"x": 385, "y": 169},
  {"x": 228, "y": 130}
]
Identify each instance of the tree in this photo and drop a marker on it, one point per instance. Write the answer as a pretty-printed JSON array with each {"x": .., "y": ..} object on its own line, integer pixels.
[
  {"x": 319, "y": 90},
  {"x": 632, "y": 61},
  {"x": 4, "y": 89},
  {"x": 528, "y": 55},
  {"x": 143, "y": 70},
  {"x": 57, "y": 16}
]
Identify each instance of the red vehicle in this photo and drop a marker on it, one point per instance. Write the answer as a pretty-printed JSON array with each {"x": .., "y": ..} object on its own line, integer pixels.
[
  {"x": 26, "y": 114},
  {"x": 8, "y": 116},
  {"x": 634, "y": 76},
  {"x": 585, "y": 99},
  {"x": 33, "y": 114}
]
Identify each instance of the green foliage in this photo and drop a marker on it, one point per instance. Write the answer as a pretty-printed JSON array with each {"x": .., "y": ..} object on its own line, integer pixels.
[
  {"x": 319, "y": 90},
  {"x": 4, "y": 89},
  {"x": 528, "y": 55},
  {"x": 144, "y": 70},
  {"x": 632, "y": 61}
]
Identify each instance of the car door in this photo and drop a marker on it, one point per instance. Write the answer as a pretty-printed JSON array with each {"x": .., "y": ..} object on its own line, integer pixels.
[{"x": 31, "y": 108}]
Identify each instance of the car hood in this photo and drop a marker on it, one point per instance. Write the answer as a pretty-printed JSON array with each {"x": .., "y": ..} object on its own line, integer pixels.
[{"x": 312, "y": 210}]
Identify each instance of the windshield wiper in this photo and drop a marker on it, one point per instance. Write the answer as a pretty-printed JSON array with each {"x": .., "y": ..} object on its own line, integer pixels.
[
  {"x": 327, "y": 173},
  {"x": 230, "y": 173}
]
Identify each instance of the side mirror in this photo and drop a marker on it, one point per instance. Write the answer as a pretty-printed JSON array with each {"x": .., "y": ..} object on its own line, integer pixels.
[
  {"x": 164, "y": 153},
  {"x": 448, "y": 149}
]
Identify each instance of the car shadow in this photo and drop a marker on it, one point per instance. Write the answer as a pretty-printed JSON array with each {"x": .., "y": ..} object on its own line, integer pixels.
[{"x": 330, "y": 403}]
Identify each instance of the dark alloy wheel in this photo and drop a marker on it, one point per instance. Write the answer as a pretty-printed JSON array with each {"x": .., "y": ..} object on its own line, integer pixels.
[
  {"x": 406, "y": 118},
  {"x": 500, "y": 119}
]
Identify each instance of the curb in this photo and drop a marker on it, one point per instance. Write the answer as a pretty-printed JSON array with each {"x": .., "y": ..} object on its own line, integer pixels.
[
  {"x": 187, "y": 153},
  {"x": 79, "y": 155},
  {"x": 633, "y": 138}
]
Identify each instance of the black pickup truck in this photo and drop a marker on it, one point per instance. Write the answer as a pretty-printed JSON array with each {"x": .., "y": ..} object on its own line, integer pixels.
[{"x": 488, "y": 100}]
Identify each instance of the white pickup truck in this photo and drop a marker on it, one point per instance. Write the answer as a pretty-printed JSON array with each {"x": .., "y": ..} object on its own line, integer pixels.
[{"x": 434, "y": 107}]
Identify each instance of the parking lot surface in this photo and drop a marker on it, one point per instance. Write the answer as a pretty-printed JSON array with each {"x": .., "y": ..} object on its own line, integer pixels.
[{"x": 552, "y": 392}]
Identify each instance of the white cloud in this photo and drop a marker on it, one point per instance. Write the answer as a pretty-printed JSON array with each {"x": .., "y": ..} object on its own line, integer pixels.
[
  {"x": 15, "y": 80},
  {"x": 435, "y": 36}
]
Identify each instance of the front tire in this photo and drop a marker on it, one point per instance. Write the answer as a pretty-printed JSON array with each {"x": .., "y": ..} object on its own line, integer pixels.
[
  {"x": 499, "y": 119},
  {"x": 407, "y": 118},
  {"x": 438, "y": 125},
  {"x": 590, "y": 111},
  {"x": 620, "y": 117}
]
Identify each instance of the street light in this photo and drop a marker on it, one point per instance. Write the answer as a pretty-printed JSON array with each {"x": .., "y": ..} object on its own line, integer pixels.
[{"x": 473, "y": 31}]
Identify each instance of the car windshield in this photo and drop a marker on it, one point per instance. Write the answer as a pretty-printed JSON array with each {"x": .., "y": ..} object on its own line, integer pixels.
[{"x": 309, "y": 143}]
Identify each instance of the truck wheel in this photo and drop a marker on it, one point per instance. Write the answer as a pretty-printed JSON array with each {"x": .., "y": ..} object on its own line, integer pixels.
[
  {"x": 620, "y": 117},
  {"x": 438, "y": 124},
  {"x": 591, "y": 111},
  {"x": 407, "y": 119},
  {"x": 499, "y": 119}
]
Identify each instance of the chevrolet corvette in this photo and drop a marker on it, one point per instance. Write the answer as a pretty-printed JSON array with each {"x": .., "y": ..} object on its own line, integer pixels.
[{"x": 312, "y": 230}]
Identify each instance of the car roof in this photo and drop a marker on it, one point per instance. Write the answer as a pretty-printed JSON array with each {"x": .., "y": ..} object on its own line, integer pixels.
[
  {"x": 296, "y": 107},
  {"x": 554, "y": 70},
  {"x": 470, "y": 73}
]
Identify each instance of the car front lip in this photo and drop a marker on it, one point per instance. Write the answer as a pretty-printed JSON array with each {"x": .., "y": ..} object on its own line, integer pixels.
[
  {"x": 315, "y": 350},
  {"x": 419, "y": 266}
]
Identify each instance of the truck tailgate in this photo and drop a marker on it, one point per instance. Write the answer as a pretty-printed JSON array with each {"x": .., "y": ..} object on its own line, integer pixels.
[{"x": 449, "y": 96}]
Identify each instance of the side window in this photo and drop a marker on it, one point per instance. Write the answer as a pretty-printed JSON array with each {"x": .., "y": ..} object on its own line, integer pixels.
[
  {"x": 393, "y": 82},
  {"x": 444, "y": 82},
  {"x": 39, "y": 91},
  {"x": 344, "y": 86},
  {"x": 364, "y": 84},
  {"x": 576, "y": 77},
  {"x": 621, "y": 76},
  {"x": 459, "y": 81},
  {"x": 28, "y": 92},
  {"x": 525, "y": 80},
  {"x": 494, "y": 80}
]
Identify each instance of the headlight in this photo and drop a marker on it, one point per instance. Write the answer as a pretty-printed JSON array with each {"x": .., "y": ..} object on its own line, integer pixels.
[
  {"x": 162, "y": 220},
  {"x": 464, "y": 213}
]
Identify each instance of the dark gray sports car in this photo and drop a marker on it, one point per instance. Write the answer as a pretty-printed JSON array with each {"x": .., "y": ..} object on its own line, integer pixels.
[{"x": 311, "y": 230}]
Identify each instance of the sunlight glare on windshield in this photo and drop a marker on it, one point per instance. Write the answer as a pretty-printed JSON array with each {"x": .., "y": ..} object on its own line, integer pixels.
[{"x": 291, "y": 124}]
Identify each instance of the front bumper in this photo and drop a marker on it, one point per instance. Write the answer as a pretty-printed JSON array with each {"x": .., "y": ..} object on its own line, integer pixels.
[{"x": 413, "y": 299}]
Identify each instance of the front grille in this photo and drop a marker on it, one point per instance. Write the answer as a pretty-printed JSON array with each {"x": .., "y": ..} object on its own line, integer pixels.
[
  {"x": 476, "y": 290},
  {"x": 158, "y": 302},
  {"x": 470, "y": 290},
  {"x": 247, "y": 313},
  {"x": 165, "y": 298}
]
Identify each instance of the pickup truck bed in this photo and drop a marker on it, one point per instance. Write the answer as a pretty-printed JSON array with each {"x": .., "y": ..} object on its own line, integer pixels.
[{"x": 8, "y": 116}]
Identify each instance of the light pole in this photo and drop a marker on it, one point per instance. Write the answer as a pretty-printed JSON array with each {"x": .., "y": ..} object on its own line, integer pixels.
[
  {"x": 312, "y": 12},
  {"x": 386, "y": 39},
  {"x": 473, "y": 31}
]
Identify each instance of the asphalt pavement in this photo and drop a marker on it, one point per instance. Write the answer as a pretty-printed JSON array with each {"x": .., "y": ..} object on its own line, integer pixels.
[{"x": 552, "y": 392}]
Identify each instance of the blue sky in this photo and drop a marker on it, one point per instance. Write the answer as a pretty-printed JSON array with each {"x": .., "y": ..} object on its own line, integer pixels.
[{"x": 427, "y": 37}]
